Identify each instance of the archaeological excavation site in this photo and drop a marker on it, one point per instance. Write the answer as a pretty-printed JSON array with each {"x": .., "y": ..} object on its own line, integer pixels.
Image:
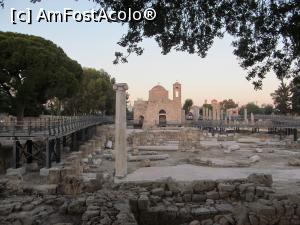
[
  {"x": 149, "y": 112},
  {"x": 222, "y": 169}
]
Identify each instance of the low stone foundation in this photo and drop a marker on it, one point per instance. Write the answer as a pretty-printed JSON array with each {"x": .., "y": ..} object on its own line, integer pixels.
[
  {"x": 248, "y": 201},
  {"x": 184, "y": 138},
  {"x": 71, "y": 177}
]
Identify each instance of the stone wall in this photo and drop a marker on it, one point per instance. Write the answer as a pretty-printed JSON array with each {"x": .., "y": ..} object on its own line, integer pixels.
[
  {"x": 72, "y": 176},
  {"x": 249, "y": 201},
  {"x": 185, "y": 138}
]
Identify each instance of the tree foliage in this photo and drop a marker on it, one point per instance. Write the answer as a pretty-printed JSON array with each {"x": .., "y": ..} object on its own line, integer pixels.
[
  {"x": 187, "y": 105},
  {"x": 282, "y": 98},
  {"x": 266, "y": 32},
  {"x": 295, "y": 91},
  {"x": 251, "y": 108},
  {"x": 228, "y": 104},
  {"x": 267, "y": 109},
  {"x": 32, "y": 71},
  {"x": 96, "y": 94}
]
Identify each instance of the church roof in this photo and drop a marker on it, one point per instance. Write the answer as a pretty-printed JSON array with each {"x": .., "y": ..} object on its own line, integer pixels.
[{"x": 158, "y": 88}]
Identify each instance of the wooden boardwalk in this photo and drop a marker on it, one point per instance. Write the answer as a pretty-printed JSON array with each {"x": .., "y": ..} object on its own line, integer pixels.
[
  {"x": 50, "y": 127},
  {"x": 54, "y": 133}
]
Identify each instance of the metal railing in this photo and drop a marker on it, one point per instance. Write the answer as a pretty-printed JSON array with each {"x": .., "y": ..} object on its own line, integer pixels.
[{"x": 56, "y": 126}]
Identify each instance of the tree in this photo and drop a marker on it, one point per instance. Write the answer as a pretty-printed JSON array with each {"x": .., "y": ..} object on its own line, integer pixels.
[
  {"x": 295, "y": 91},
  {"x": 282, "y": 98},
  {"x": 228, "y": 104},
  {"x": 251, "y": 108},
  {"x": 267, "y": 109},
  {"x": 96, "y": 94},
  {"x": 32, "y": 71},
  {"x": 266, "y": 33},
  {"x": 187, "y": 105}
]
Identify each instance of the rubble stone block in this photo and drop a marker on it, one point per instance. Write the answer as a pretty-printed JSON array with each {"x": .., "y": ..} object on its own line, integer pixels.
[
  {"x": 54, "y": 176},
  {"x": 261, "y": 179},
  {"x": 89, "y": 214},
  {"x": 71, "y": 185},
  {"x": 213, "y": 195},
  {"x": 195, "y": 222},
  {"x": 18, "y": 171},
  {"x": 203, "y": 185},
  {"x": 243, "y": 187},
  {"x": 157, "y": 192},
  {"x": 44, "y": 172},
  {"x": 143, "y": 202},
  {"x": 224, "y": 194},
  {"x": 207, "y": 222},
  {"x": 198, "y": 197},
  {"x": 187, "y": 197},
  {"x": 133, "y": 203},
  {"x": 226, "y": 187}
]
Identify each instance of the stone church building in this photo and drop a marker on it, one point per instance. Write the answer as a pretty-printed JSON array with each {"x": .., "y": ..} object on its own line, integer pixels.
[{"x": 159, "y": 109}]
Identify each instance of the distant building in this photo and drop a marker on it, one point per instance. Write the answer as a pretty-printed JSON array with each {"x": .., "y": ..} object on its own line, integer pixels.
[{"x": 159, "y": 109}]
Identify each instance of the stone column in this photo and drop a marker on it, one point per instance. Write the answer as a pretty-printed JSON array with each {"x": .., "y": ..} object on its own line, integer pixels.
[
  {"x": 252, "y": 118},
  {"x": 120, "y": 132},
  {"x": 210, "y": 114},
  {"x": 214, "y": 113},
  {"x": 245, "y": 116},
  {"x": 218, "y": 113}
]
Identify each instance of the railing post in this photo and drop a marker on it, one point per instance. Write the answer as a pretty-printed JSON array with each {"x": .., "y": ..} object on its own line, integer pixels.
[
  {"x": 29, "y": 145},
  {"x": 15, "y": 154},
  {"x": 58, "y": 149},
  {"x": 29, "y": 127},
  {"x": 58, "y": 126},
  {"x": 49, "y": 126},
  {"x": 295, "y": 134},
  {"x": 49, "y": 150}
]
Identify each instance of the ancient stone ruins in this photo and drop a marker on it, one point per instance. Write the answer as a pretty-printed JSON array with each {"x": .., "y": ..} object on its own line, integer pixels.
[{"x": 217, "y": 170}]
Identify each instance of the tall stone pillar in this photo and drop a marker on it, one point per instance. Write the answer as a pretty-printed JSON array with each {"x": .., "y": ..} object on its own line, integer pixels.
[
  {"x": 214, "y": 113},
  {"x": 252, "y": 118},
  {"x": 218, "y": 113},
  {"x": 245, "y": 115},
  {"x": 120, "y": 132},
  {"x": 210, "y": 117}
]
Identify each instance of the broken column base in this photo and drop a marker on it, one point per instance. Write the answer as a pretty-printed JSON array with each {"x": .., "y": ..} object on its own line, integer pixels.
[
  {"x": 44, "y": 172},
  {"x": 18, "y": 171}
]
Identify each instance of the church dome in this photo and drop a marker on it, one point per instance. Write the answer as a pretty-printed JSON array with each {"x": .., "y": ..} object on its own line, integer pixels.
[
  {"x": 158, "y": 92},
  {"x": 158, "y": 88}
]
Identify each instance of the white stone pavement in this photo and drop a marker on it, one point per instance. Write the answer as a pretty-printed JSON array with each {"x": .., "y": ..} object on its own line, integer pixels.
[{"x": 187, "y": 173}]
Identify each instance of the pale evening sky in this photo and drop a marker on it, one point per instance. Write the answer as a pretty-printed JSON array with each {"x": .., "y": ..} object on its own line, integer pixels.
[{"x": 218, "y": 76}]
